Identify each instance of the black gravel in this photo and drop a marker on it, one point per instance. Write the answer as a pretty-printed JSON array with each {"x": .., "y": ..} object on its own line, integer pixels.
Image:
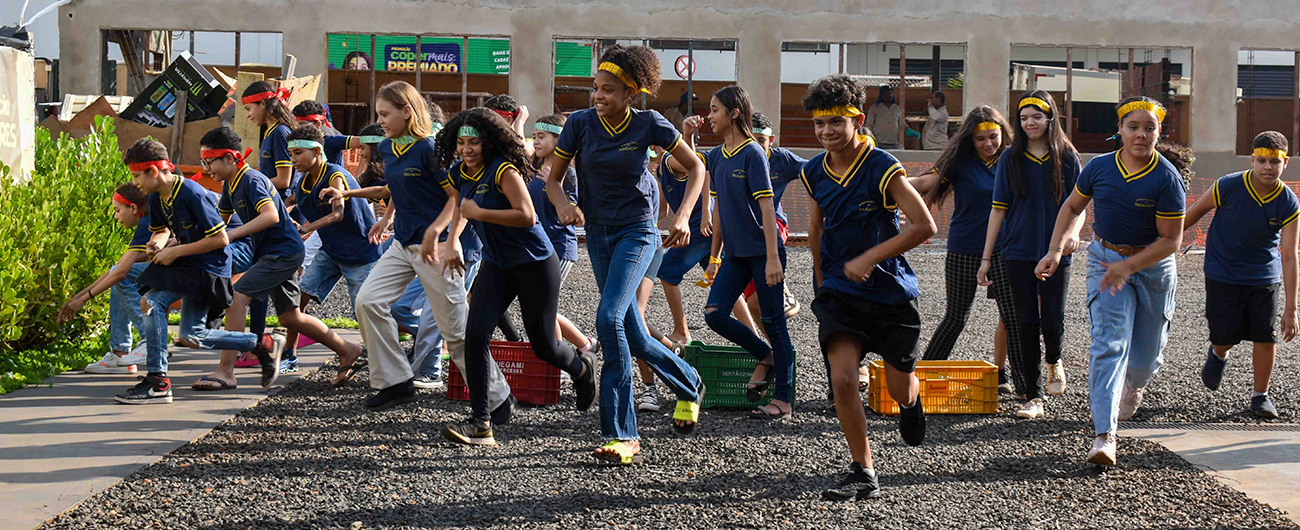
[{"x": 310, "y": 457}]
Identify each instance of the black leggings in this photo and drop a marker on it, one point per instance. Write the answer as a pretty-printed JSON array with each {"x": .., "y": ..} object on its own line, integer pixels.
[
  {"x": 1040, "y": 308},
  {"x": 960, "y": 272},
  {"x": 537, "y": 285}
]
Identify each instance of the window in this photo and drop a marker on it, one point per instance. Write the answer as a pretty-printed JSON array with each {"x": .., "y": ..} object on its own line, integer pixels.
[{"x": 1266, "y": 95}]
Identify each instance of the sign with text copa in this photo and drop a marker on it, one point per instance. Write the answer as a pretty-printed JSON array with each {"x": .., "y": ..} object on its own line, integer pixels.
[
  {"x": 433, "y": 58},
  {"x": 396, "y": 53}
]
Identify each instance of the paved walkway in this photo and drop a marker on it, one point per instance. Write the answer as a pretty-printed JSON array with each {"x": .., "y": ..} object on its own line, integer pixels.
[{"x": 63, "y": 443}]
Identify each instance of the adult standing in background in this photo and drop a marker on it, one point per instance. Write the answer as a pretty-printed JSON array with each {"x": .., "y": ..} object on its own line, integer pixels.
[
  {"x": 884, "y": 119},
  {"x": 935, "y": 134},
  {"x": 677, "y": 114}
]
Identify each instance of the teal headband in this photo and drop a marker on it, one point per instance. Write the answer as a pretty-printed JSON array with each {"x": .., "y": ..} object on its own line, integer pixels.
[
  {"x": 404, "y": 140},
  {"x": 765, "y": 131},
  {"x": 470, "y": 131},
  {"x": 371, "y": 139},
  {"x": 436, "y": 127},
  {"x": 305, "y": 144},
  {"x": 547, "y": 127}
]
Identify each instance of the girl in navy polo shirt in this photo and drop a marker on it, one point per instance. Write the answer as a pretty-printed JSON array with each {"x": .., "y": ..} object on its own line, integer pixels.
[
  {"x": 1034, "y": 176},
  {"x": 866, "y": 297},
  {"x": 1250, "y": 252},
  {"x": 1139, "y": 201},
  {"x": 267, "y": 108},
  {"x": 519, "y": 261},
  {"x": 965, "y": 168},
  {"x": 619, "y": 203},
  {"x": 746, "y": 229}
]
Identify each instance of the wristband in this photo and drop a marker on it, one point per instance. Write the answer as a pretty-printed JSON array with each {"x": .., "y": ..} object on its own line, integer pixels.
[
  {"x": 715, "y": 261},
  {"x": 1056, "y": 250},
  {"x": 990, "y": 260}
]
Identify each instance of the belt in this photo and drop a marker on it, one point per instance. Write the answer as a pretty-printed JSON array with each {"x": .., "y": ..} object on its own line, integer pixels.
[{"x": 1123, "y": 250}]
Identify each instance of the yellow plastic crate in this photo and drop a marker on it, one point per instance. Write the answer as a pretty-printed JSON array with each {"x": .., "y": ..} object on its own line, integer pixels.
[{"x": 947, "y": 387}]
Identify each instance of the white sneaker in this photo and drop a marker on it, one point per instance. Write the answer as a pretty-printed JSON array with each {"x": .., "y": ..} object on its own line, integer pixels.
[
  {"x": 649, "y": 401},
  {"x": 109, "y": 364},
  {"x": 138, "y": 355},
  {"x": 1103, "y": 450},
  {"x": 1129, "y": 402},
  {"x": 429, "y": 383},
  {"x": 1032, "y": 410},
  {"x": 1056, "y": 379},
  {"x": 791, "y": 305}
]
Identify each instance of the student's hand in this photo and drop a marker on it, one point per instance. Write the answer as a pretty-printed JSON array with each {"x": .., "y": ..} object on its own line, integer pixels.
[
  {"x": 429, "y": 247},
  {"x": 775, "y": 274},
  {"x": 150, "y": 250},
  {"x": 167, "y": 255},
  {"x": 983, "y": 275},
  {"x": 1116, "y": 276},
  {"x": 571, "y": 215},
  {"x": 1288, "y": 325},
  {"x": 521, "y": 117},
  {"x": 1047, "y": 266},
  {"x": 470, "y": 210},
  {"x": 452, "y": 259},
  {"x": 73, "y": 306},
  {"x": 1070, "y": 245},
  {"x": 706, "y": 225},
  {"x": 376, "y": 235},
  {"x": 711, "y": 271},
  {"x": 859, "y": 269},
  {"x": 679, "y": 234},
  {"x": 331, "y": 193},
  {"x": 305, "y": 235},
  {"x": 171, "y": 242},
  {"x": 692, "y": 124}
]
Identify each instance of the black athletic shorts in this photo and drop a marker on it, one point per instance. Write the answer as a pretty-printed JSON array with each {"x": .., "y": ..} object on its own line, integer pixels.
[
  {"x": 1240, "y": 312},
  {"x": 891, "y": 331}
]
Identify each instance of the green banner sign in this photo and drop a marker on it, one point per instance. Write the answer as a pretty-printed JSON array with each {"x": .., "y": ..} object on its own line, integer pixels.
[{"x": 397, "y": 53}]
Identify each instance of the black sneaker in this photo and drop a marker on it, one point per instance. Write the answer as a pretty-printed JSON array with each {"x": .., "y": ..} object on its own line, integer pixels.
[
  {"x": 469, "y": 433},
  {"x": 153, "y": 388},
  {"x": 911, "y": 423},
  {"x": 859, "y": 485},
  {"x": 585, "y": 384},
  {"x": 1262, "y": 407},
  {"x": 392, "y": 396},
  {"x": 1212, "y": 371},
  {"x": 501, "y": 415}
]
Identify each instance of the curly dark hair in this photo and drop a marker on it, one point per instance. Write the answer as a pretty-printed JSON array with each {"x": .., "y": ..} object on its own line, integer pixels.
[
  {"x": 134, "y": 194},
  {"x": 275, "y": 109},
  {"x": 308, "y": 107},
  {"x": 835, "y": 90},
  {"x": 503, "y": 103},
  {"x": 307, "y": 132},
  {"x": 499, "y": 140},
  {"x": 761, "y": 121},
  {"x": 145, "y": 150},
  {"x": 1182, "y": 157},
  {"x": 1269, "y": 140},
  {"x": 638, "y": 62},
  {"x": 961, "y": 147}
]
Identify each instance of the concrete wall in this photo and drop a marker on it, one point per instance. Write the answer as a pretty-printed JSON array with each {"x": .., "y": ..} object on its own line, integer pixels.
[{"x": 1215, "y": 30}]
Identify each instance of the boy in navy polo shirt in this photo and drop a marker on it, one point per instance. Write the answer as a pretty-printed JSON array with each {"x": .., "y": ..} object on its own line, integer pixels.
[
  {"x": 1250, "y": 253},
  {"x": 311, "y": 112},
  {"x": 277, "y": 255}
]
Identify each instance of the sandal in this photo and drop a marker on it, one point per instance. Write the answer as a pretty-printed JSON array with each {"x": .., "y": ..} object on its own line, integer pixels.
[
  {"x": 765, "y": 413},
  {"x": 688, "y": 411},
  {"x": 347, "y": 372},
  {"x": 755, "y": 389},
  {"x": 622, "y": 453},
  {"x": 864, "y": 380},
  {"x": 218, "y": 386}
]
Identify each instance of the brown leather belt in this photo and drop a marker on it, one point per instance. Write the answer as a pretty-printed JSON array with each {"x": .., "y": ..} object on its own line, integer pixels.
[{"x": 1123, "y": 250}]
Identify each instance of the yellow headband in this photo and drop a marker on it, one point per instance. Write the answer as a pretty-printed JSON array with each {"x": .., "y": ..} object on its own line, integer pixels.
[
  {"x": 622, "y": 76},
  {"x": 1042, "y": 105},
  {"x": 848, "y": 111},
  {"x": 987, "y": 126},
  {"x": 1270, "y": 153},
  {"x": 1155, "y": 108}
]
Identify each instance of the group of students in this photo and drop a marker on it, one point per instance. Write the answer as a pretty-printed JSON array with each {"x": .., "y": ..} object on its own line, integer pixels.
[{"x": 475, "y": 200}]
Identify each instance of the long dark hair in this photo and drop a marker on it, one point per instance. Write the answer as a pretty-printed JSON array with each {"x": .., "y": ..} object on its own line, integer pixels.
[
  {"x": 962, "y": 147},
  {"x": 735, "y": 98},
  {"x": 499, "y": 140},
  {"x": 1058, "y": 147},
  {"x": 275, "y": 109},
  {"x": 374, "y": 172}
]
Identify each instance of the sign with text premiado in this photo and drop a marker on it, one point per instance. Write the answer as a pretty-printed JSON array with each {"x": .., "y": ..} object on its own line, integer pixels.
[
  {"x": 437, "y": 55},
  {"x": 17, "y": 113}
]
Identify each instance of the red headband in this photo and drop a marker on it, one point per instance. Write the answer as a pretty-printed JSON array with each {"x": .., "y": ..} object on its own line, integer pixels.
[
  {"x": 509, "y": 116},
  {"x": 281, "y": 94},
  {"x": 218, "y": 153},
  {"x": 144, "y": 166},
  {"x": 312, "y": 117},
  {"x": 117, "y": 197}
]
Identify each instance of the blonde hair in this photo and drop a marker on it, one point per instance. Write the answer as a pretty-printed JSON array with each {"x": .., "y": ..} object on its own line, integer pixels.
[{"x": 401, "y": 94}]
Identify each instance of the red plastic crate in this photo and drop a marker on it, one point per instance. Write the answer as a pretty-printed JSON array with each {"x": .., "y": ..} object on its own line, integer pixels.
[{"x": 531, "y": 380}]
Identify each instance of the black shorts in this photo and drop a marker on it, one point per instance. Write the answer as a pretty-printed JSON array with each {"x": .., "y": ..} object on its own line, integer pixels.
[
  {"x": 891, "y": 331},
  {"x": 1240, "y": 312},
  {"x": 275, "y": 277}
]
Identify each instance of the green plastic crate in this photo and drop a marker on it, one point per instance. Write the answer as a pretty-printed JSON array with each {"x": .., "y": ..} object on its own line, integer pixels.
[{"x": 725, "y": 370}]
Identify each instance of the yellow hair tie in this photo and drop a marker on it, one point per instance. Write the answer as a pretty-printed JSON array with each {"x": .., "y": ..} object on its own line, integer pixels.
[
  {"x": 622, "y": 76},
  {"x": 848, "y": 111},
  {"x": 1042, "y": 105},
  {"x": 1131, "y": 106},
  {"x": 1270, "y": 153},
  {"x": 987, "y": 126}
]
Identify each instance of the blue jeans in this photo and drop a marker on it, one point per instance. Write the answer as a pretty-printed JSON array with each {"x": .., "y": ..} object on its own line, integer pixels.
[
  {"x": 620, "y": 256},
  {"x": 1129, "y": 331},
  {"x": 325, "y": 272},
  {"x": 734, "y": 274},
  {"x": 193, "y": 317},
  {"x": 124, "y": 310},
  {"x": 679, "y": 261},
  {"x": 427, "y": 358}
]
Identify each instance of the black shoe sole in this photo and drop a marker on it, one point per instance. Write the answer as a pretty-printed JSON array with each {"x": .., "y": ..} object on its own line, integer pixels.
[{"x": 392, "y": 403}]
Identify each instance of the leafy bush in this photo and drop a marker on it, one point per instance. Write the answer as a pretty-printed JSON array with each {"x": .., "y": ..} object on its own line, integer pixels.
[{"x": 59, "y": 236}]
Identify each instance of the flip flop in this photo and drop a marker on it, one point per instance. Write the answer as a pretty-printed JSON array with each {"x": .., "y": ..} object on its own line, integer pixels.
[
  {"x": 763, "y": 413},
  {"x": 220, "y": 385},
  {"x": 755, "y": 389},
  {"x": 622, "y": 454},
  {"x": 346, "y": 373}
]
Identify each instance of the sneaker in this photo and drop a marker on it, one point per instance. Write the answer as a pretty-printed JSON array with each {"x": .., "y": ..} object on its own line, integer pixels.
[
  {"x": 138, "y": 355},
  {"x": 649, "y": 401},
  {"x": 109, "y": 364},
  {"x": 859, "y": 484},
  {"x": 428, "y": 382},
  {"x": 1032, "y": 410},
  {"x": 1055, "y": 379},
  {"x": 1262, "y": 407},
  {"x": 585, "y": 385},
  {"x": 1103, "y": 450},
  {"x": 152, "y": 388},
  {"x": 502, "y": 414},
  {"x": 246, "y": 360},
  {"x": 1004, "y": 384},
  {"x": 268, "y": 356},
  {"x": 911, "y": 423},
  {"x": 1129, "y": 402},
  {"x": 594, "y": 346},
  {"x": 289, "y": 365},
  {"x": 791, "y": 305},
  {"x": 469, "y": 433},
  {"x": 1212, "y": 372},
  {"x": 392, "y": 396}
]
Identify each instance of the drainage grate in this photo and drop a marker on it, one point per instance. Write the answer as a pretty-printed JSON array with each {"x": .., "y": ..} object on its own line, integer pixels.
[{"x": 1264, "y": 427}]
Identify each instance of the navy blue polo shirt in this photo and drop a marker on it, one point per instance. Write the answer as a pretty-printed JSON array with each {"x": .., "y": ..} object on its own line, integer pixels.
[
  {"x": 503, "y": 246},
  {"x": 141, "y": 236},
  {"x": 1126, "y": 205},
  {"x": 972, "y": 187},
  {"x": 347, "y": 240},
  {"x": 1242, "y": 245},
  {"x": 333, "y": 147},
  {"x": 417, "y": 187},
  {"x": 674, "y": 188},
  {"x": 784, "y": 167},
  {"x": 244, "y": 195},
  {"x": 1027, "y": 229},
  {"x": 564, "y": 238},
  {"x": 738, "y": 179},
  {"x": 857, "y": 214},
  {"x": 613, "y": 158},
  {"x": 191, "y": 215},
  {"x": 275, "y": 151}
]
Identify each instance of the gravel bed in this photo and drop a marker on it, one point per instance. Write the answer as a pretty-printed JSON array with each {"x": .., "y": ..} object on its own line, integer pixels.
[{"x": 311, "y": 457}]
